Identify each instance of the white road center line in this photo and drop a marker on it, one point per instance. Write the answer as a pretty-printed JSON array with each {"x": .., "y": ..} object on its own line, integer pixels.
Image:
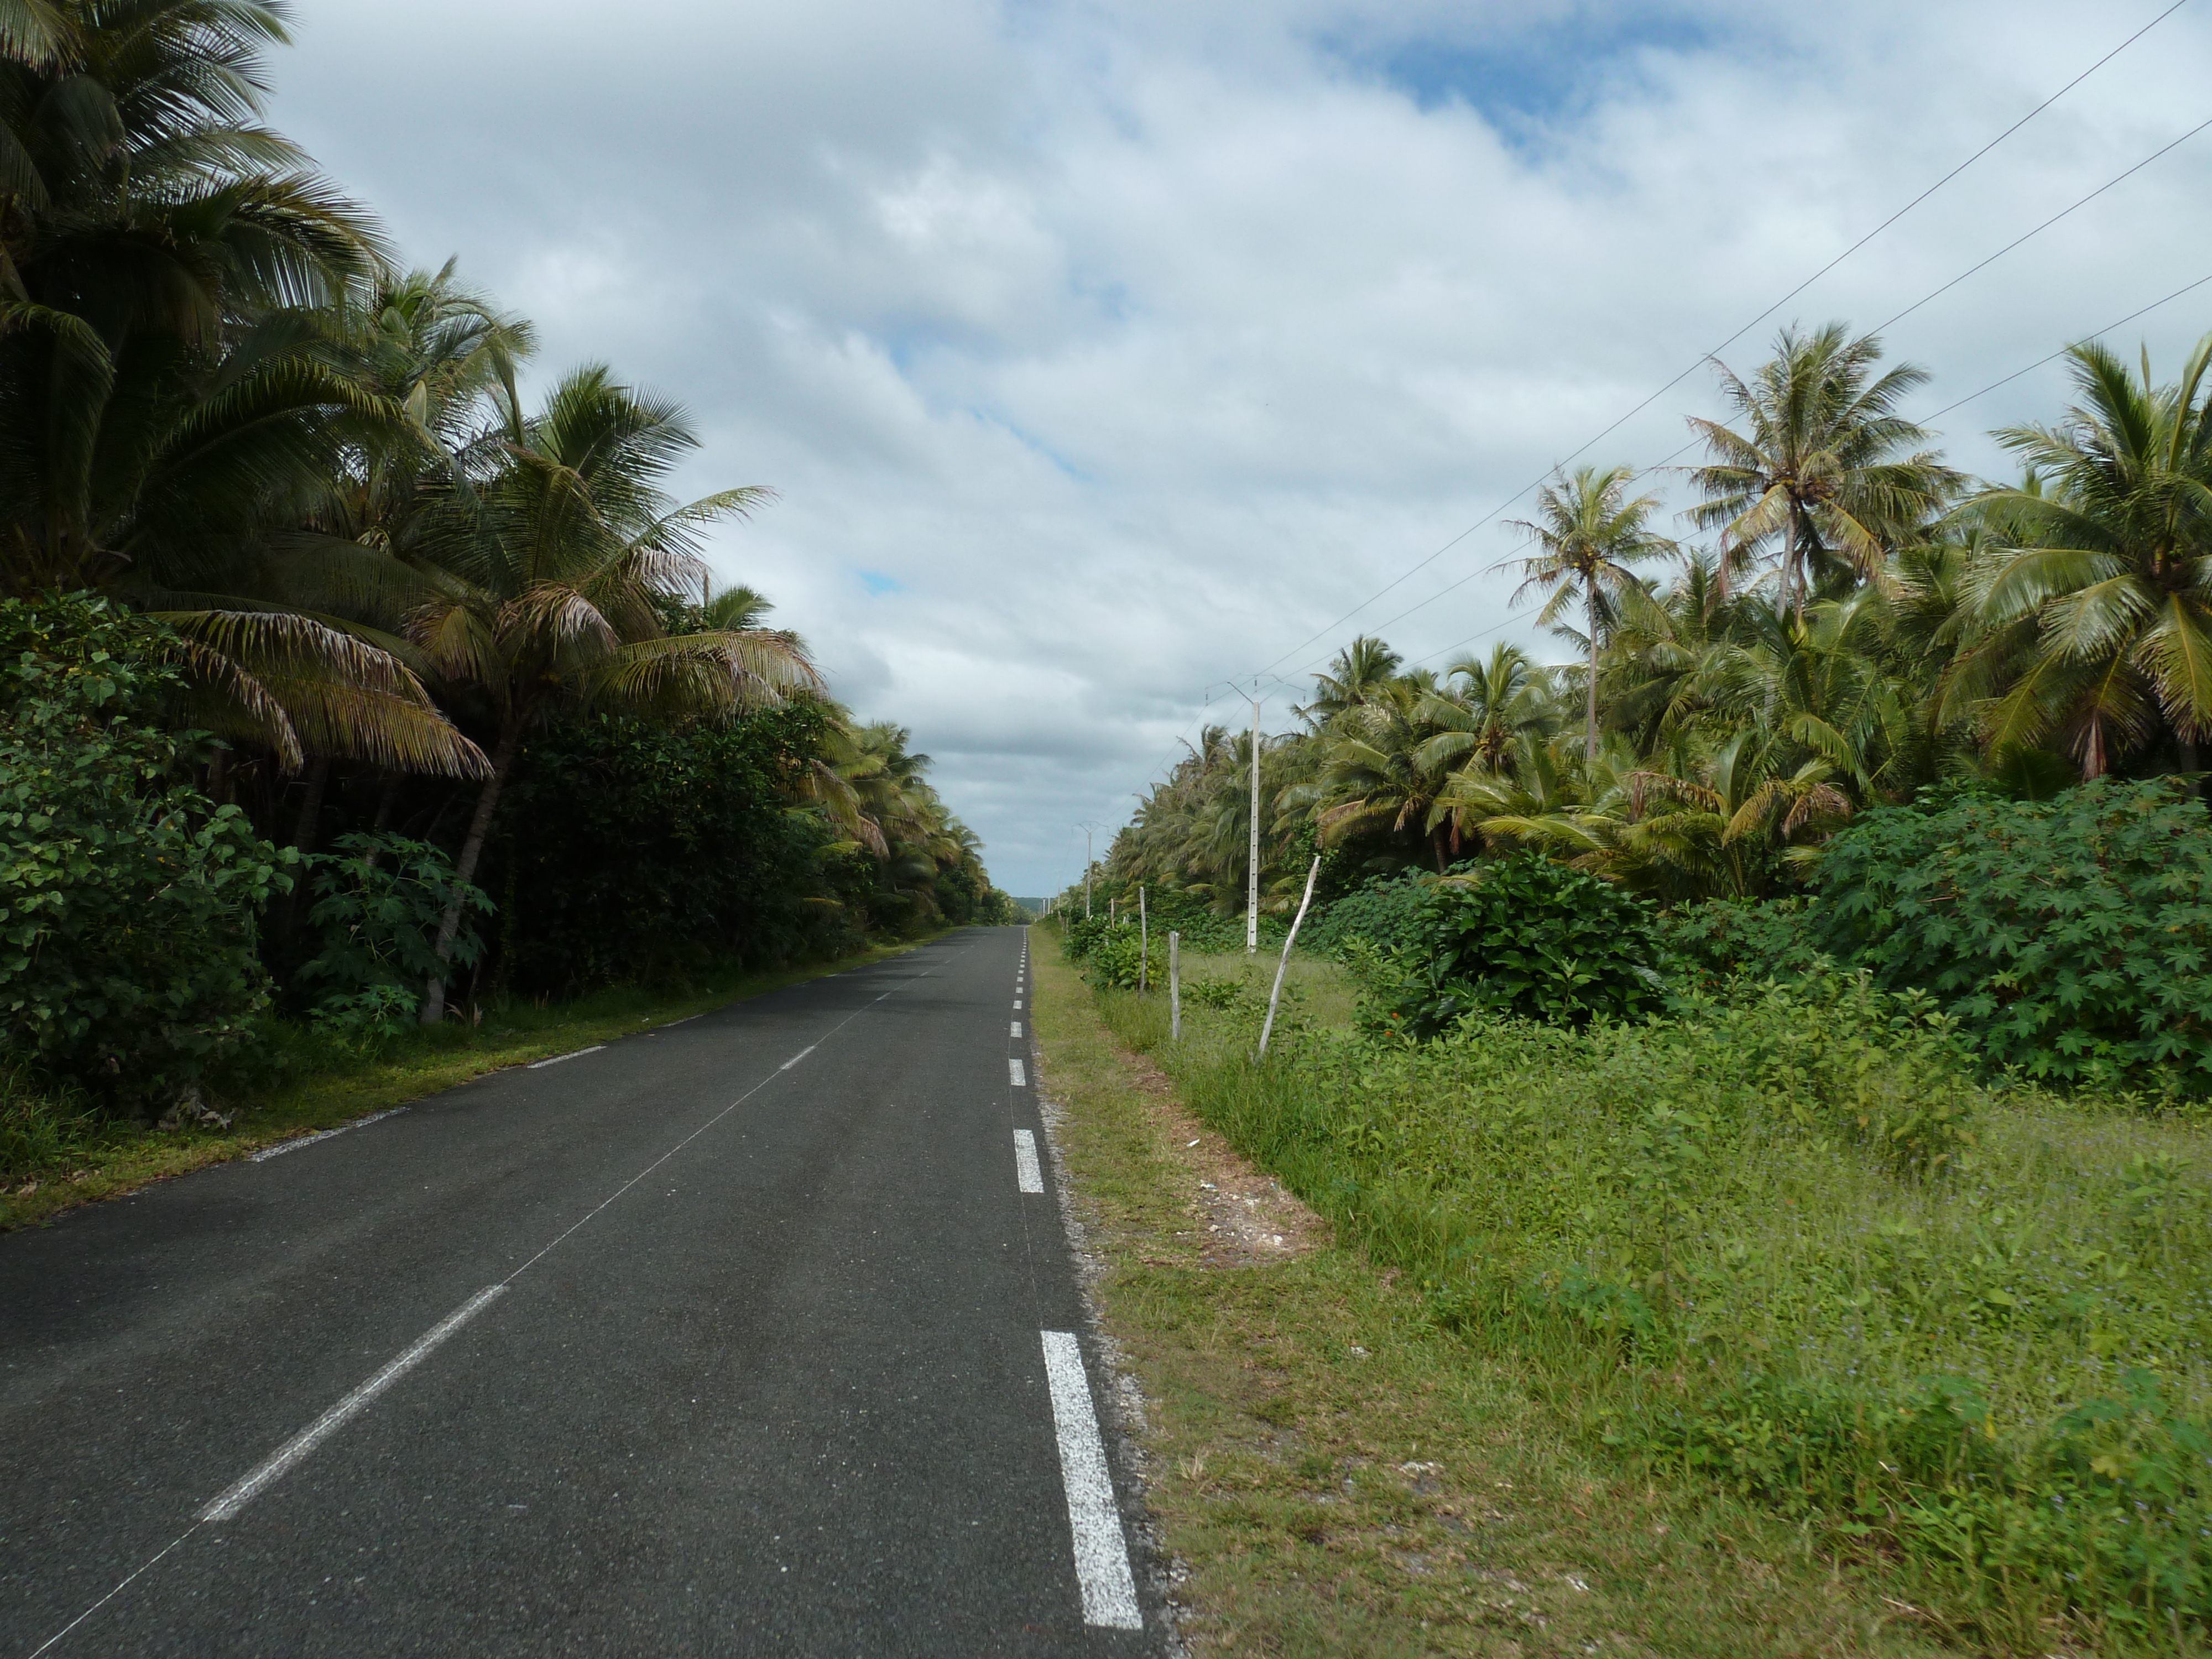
[
  {"x": 331, "y": 1421},
  {"x": 1017, "y": 1028},
  {"x": 1102, "y": 1554},
  {"x": 1026, "y": 1173},
  {"x": 574, "y": 1054},
  {"x": 803, "y": 1053},
  {"x": 1016, "y": 1075},
  {"x": 298, "y": 1141}
]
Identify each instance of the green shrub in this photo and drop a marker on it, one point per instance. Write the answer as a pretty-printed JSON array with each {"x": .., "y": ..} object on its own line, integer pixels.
[
  {"x": 1523, "y": 936},
  {"x": 2072, "y": 936},
  {"x": 1113, "y": 955},
  {"x": 1219, "y": 991},
  {"x": 1386, "y": 913},
  {"x": 378, "y": 899},
  {"x": 128, "y": 902},
  {"x": 1727, "y": 939}
]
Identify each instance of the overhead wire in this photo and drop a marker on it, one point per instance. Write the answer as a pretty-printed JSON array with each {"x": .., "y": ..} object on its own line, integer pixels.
[
  {"x": 1705, "y": 357},
  {"x": 1932, "y": 295}
]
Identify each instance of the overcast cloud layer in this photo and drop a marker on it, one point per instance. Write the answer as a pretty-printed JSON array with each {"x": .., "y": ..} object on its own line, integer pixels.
[{"x": 1102, "y": 353}]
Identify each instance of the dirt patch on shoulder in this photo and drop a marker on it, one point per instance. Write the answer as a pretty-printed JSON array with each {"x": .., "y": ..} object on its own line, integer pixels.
[{"x": 1240, "y": 1218}]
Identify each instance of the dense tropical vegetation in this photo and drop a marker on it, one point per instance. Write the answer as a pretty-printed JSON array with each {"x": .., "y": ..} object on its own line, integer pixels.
[
  {"x": 1864, "y": 635},
  {"x": 348, "y": 678},
  {"x": 1784, "y": 1026}
]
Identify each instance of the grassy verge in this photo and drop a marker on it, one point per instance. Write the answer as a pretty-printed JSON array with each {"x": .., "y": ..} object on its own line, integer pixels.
[
  {"x": 320, "y": 1087},
  {"x": 1338, "y": 1473}
]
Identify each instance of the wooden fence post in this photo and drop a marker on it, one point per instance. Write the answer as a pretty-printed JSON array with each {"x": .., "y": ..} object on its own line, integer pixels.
[{"x": 1282, "y": 967}]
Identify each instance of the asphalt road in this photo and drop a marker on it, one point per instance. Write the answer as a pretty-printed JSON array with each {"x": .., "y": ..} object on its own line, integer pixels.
[{"x": 741, "y": 1337}]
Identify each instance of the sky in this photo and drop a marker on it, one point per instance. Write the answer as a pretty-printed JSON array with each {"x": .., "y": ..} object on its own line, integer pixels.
[{"x": 1102, "y": 355}]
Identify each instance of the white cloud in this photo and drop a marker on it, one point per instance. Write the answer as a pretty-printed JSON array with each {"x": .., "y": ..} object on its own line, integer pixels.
[{"x": 1133, "y": 344}]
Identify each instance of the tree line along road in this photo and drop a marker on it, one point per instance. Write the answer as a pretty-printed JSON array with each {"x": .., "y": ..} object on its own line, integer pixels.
[{"x": 759, "y": 1334}]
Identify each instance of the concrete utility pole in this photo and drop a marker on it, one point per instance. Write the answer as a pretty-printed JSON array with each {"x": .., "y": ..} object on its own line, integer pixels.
[
  {"x": 1252, "y": 877},
  {"x": 1086, "y": 830}
]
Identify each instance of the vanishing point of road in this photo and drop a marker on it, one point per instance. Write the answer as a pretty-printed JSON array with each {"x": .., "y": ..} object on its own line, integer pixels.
[{"x": 755, "y": 1335}]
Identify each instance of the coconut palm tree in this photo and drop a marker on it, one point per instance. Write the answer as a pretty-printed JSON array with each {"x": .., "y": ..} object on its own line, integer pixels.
[
  {"x": 1360, "y": 670},
  {"x": 1488, "y": 708},
  {"x": 543, "y": 592},
  {"x": 2093, "y": 611},
  {"x": 1378, "y": 772},
  {"x": 1815, "y": 476},
  {"x": 1589, "y": 531}
]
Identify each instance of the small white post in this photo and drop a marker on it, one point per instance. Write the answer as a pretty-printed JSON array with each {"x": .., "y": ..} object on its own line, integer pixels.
[
  {"x": 1282, "y": 967},
  {"x": 1175, "y": 985}
]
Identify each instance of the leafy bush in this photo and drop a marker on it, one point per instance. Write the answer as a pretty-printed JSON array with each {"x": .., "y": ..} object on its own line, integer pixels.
[
  {"x": 1727, "y": 939},
  {"x": 1386, "y": 913},
  {"x": 1114, "y": 954},
  {"x": 1525, "y": 936},
  {"x": 2072, "y": 936},
  {"x": 127, "y": 901},
  {"x": 1219, "y": 991},
  {"x": 379, "y": 901}
]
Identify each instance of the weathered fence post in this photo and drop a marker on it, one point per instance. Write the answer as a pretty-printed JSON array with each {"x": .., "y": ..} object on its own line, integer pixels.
[
  {"x": 1282, "y": 967},
  {"x": 1174, "y": 985}
]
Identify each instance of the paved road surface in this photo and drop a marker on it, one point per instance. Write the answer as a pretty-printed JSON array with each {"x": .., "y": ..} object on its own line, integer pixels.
[{"x": 742, "y": 1337}]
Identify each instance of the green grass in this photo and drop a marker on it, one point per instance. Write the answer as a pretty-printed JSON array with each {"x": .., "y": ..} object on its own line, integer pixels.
[
  {"x": 1780, "y": 1252},
  {"x": 55, "y": 1156},
  {"x": 1341, "y": 1474}
]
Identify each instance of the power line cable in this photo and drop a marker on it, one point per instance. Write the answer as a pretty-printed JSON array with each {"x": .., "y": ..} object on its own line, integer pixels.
[
  {"x": 1960, "y": 403},
  {"x": 1704, "y": 357},
  {"x": 1933, "y": 294}
]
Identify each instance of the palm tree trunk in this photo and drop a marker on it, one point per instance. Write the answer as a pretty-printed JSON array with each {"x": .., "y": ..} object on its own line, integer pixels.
[
  {"x": 465, "y": 868},
  {"x": 303, "y": 834},
  {"x": 1793, "y": 575},
  {"x": 1590, "y": 746},
  {"x": 384, "y": 804}
]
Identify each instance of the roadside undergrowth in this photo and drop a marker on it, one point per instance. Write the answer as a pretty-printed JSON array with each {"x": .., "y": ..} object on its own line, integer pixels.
[
  {"x": 55, "y": 1155},
  {"x": 1781, "y": 1248},
  {"x": 1336, "y": 1471}
]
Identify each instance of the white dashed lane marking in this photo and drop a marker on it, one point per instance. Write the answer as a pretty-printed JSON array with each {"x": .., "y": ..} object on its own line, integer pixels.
[{"x": 1027, "y": 1175}]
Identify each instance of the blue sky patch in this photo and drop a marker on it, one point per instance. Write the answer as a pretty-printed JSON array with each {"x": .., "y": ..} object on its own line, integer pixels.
[
  {"x": 1538, "y": 76},
  {"x": 877, "y": 583}
]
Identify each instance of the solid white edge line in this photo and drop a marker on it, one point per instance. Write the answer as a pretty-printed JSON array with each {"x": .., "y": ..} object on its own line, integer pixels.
[
  {"x": 298, "y": 1141},
  {"x": 1102, "y": 1554},
  {"x": 1016, "y": 1075},
  {"x": 574, "y": 1054},
  {"x": 803, "y": 1054},
  {"x": 243, "y": 1493},
  {"x": 1027, "y": 1175}
]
